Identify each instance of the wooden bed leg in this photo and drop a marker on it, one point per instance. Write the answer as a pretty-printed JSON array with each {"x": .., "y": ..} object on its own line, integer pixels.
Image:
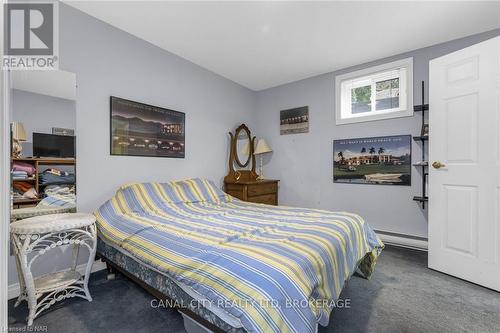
[{"x": 111, "y": 272}]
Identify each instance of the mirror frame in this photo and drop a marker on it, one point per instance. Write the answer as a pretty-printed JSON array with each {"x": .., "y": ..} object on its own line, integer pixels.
[{"x": 236, "y": 175}]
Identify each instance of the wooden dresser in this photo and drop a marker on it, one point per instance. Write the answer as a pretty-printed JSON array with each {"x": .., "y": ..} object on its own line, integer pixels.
[{"x": 259, "y": 191}]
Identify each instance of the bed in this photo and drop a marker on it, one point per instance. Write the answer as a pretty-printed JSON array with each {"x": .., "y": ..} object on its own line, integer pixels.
[{"x": 231, "y": 265}]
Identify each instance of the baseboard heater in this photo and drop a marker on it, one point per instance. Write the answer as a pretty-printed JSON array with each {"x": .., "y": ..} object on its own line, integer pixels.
[{"x": 412, "y": 242}]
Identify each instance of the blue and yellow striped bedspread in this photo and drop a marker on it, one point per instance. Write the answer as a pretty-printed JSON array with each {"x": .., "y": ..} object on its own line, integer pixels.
[{"x": 277, "y": 269}]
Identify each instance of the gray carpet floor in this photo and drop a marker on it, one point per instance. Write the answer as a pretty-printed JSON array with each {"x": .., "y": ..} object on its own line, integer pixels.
[{"x": 402, "y": 296}]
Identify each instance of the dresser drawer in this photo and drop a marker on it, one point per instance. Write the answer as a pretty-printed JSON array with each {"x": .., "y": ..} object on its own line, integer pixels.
[
  {"x": 235, "y": 190},
  {"x": 268, "y": 199},
  {"x": 259, "y": 189},
  {"x": 237, "y": 194}
]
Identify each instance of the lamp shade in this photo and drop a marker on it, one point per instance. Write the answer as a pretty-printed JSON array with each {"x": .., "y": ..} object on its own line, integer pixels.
[
  {"x": 18, "y": 132},
  {"x": 262, "y": 147}
]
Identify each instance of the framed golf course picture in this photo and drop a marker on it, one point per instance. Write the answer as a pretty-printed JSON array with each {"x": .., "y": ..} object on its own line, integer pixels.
[{"x": 383, "y": 160}]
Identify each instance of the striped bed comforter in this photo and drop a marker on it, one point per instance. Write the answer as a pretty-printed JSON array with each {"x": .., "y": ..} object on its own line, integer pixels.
[{"x": 277, "y": 269}]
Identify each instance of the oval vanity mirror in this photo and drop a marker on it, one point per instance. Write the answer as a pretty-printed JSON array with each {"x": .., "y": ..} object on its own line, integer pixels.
[
  {"x": 241, "y": 157},
  {"x": 243, "y": 141}
]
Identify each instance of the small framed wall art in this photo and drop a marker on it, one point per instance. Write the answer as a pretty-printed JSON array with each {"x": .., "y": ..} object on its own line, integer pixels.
[
  {"x": 425, "y": 130},
  {"x": 293, "y": 121}
]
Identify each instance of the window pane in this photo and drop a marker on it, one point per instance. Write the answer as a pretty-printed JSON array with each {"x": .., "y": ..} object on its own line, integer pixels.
[
  {"x": 361, "y": 99},
  {"x": 387, "y": 94}
]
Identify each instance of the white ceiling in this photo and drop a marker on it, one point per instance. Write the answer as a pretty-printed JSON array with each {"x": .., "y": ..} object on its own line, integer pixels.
[
  {"x": 265, "y": 44},
  {"x": 55, "y": 83}
]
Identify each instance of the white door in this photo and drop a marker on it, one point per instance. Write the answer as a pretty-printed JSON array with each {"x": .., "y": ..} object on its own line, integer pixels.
[{"x": 464, "y": 191}]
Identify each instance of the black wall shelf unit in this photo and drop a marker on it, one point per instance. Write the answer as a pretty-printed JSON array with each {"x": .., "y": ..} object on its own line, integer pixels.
[
  {"x": 421, "y": 138},
  {"x": 418, "y": 108},
  {"x": 424, "y": 164}
]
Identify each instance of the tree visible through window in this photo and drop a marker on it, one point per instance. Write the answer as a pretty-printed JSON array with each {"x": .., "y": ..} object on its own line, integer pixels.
[
  {"x": 361, "y": 99},
  {"x": 380, "y": 92},
  {"x": 387, "y": 94}
]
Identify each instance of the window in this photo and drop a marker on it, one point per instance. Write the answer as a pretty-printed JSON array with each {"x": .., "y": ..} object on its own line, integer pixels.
[{"x": 375, "y": 93}]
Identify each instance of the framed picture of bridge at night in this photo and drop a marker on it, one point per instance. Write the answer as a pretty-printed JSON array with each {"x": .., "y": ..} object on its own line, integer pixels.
[
  {"x": 139, "y": 129},
  {"x": 384, "y": 160}
]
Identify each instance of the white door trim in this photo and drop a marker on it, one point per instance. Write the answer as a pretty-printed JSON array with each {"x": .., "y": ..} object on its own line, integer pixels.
[{"x": 4, "y": 183}]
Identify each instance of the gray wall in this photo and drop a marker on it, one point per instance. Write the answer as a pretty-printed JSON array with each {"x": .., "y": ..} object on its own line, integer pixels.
[
  {"x": 304, "y": 162},
  {"x": 107, "y": 61},
  {"x": 39, "y": 113}
]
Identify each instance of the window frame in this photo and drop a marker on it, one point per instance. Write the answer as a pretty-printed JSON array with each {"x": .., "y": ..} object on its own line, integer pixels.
[{"x": 407, "y": 86}]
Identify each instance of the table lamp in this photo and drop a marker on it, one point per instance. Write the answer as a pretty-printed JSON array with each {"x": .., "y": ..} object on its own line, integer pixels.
[
  {"x": 262, "y": 148},
  {"x": 18, "y": 135}
]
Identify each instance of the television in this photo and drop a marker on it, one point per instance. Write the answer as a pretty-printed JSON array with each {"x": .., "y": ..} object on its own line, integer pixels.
[{"x": 51, "y": 145}]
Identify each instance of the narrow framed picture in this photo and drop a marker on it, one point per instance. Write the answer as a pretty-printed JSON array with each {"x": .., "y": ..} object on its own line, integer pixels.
[
  {"x": 383, "y": 160},
  {"x": 425, "y": 130},
  {"x": 63, "y": 131},
  {"x": 138, "y": 129},
  {"x": 293, "y": 121}
]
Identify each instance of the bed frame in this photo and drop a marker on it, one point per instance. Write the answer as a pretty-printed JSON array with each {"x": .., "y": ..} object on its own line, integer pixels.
[{"x": 112, "y": 268}]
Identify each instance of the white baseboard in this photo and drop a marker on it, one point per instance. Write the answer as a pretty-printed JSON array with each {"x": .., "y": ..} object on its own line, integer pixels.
[
  {"x": 401, "y": 240},
  {"x": 98, "y": 265}
]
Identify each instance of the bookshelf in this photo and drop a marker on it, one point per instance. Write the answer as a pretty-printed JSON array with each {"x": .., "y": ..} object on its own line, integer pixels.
[{"x": 38, "y": 163}]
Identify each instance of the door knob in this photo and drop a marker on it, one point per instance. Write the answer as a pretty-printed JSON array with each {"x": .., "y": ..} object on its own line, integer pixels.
[{"x": 437, "y": 165}]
